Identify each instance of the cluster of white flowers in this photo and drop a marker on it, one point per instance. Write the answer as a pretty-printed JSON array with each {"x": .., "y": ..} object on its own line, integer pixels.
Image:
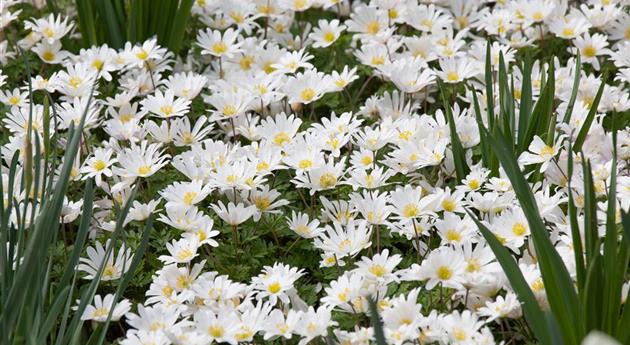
[{"x": 253, "y": 68}]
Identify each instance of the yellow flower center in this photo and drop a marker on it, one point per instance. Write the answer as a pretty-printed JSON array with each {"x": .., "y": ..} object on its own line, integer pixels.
[
  {"x": 282, "y": 327},
  {"x": 109, "y": 271},
  {"x": 143, "y": 170},
  {"x": 98, "y": 64},
  {"x": 246, "y": 62},
  {"x": 125, "y": 118},
  {"x": 341, "y": 83},
  {"x": 189, "y": 197},
  {"x": 428, "y": 23},
  {"x": 262, "y": 203},
  {"x": 274, "y": 287},
  {"x": 452, "y": 76},
  {"x": 366, "y": 160},
  {"x": 519, "y": 229},
  {"x": 459, "y": 334},
  {"x": 166, "y": 110},
  {"x": 589, "y": 51},
  {"x": 48, "y": 32},
  {"x": 183, "y": 281},
  {"x": 167, "y": 290},
  {"x": 299, "y": 4},
  {"x": 378, "y": 60},
  {"x": 569, "y": 32},
  {"x": 473, "y": 265},
  {"x": 343, "y": 295},
  {"x": 281, "y": 138},
  {"x": 99, "y": 165},
  {"x": 547, "y": 151},
  {"x": 328, "y": 180},
  {"x": 404, "y": 135},
  {"x": 48, "y": 55},
  {"x": 229, "y": 110},
  {"x": 538, "y": 285},
  {"x": 453, "y": 236},
  {"x": 473, "y": 184},
  {"x": 14, "y": 100},
  {"x": 100, "y": 312},
  {"x": 307, "y": 94},
  {"x": 411, "y": 211},
  {"x": 448, "y": 205},
  {"x": 305, "y": 164},
  {"x": 237, "y": 17},
  {"x": 373, "y": 27},
  {"x": 184, "y": 254},
  {"x": 462, "y": 21},
  {"x": 303, "y": 230},
  {"x": 156, "y": 326},
  {"x": 75, "y": 81},
  {"x": 142, "y": 54},
  {"x": 219, "y": 48},
  {"x": 262, "y": 166},
  {"x": 187, "y": 138},
  {"x": 216, "y": 331},
  {"x": 377, "y": 270},
  {"x": 329, "y": 36},
  {"x": 444, "y": 273},
  {"x": 243, "y": 335}
]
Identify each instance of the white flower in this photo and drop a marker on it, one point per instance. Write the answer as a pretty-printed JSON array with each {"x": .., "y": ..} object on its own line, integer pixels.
[
  {"x": 114, "y": 266},
  {"x": 103, "y": 307},
  {"x": 326, "y": 33}
]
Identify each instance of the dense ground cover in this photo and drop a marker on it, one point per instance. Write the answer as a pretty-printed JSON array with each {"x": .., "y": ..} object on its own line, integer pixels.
[{"x": 314, "y": 171}]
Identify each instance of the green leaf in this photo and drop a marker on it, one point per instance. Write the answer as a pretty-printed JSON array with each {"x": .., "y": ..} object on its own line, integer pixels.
[
  {"x": 178, "y": 29},
  {"x": 558, "y": 284},
  {"x": 377, "y": 323},
  {"x": 459, "y": 155},
  {"x": 531, "y": 310},
  {"x": 489, "y": 87},
  {"x": 485, "y": 148},
  {"x": 574, "y": 89},
  {"x": 525, "y": 111},
  {"x": 586, "y": 126}
]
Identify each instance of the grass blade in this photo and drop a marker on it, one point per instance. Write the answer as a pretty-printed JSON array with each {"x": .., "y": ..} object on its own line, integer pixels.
[{"x": 531, "y": 310}]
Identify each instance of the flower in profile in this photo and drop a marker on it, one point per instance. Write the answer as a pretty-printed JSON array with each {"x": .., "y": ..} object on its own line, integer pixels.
[
  {"x": 300, "y": 224},
  {"x": 140, "y": 160},
  {"x": 306, "y": 87},
  {"x": 212, "y": 42},
  {"x": 234, "y": 214},
  {"x": 165, "y": 105},
  {"x": 103, "y": 306},
  {"x": 455, "y": 70},
  {"x": 51, "y": 29},
  {"x": 181, "y": 251},
  {"x": 50, "y": 53},
  {"x": 141, "y": 55},
  {"x": 342, "y": 241},
  {"x": 380, "y": 267},
  {"x": 443, "y": 266},
  {"x": 114, "y": 266},
  {"x": 539, "y": 152}
]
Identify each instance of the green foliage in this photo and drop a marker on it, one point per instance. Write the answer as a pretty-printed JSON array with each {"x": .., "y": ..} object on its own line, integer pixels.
[
  {"x": 117, "y": 21},
  {"x": 594, "y": 303},
  {"x": 37, "y": 300}
]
